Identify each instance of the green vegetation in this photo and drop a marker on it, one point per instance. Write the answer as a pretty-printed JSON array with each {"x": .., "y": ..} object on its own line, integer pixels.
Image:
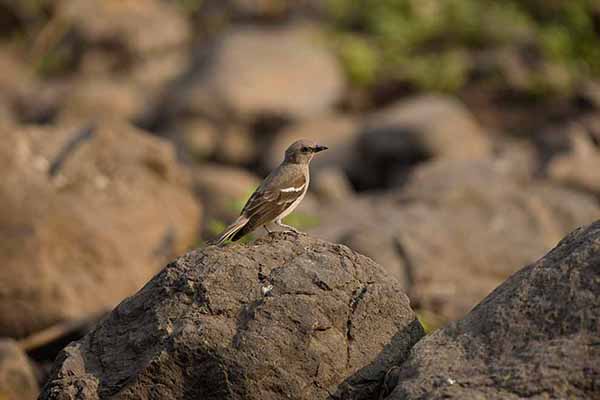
[
  {"x": 430, "y": 320},
  {"x": 430, "y": 43}
]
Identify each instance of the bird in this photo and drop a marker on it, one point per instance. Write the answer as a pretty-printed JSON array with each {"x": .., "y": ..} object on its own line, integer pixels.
[{"x": 278, "y": 194}]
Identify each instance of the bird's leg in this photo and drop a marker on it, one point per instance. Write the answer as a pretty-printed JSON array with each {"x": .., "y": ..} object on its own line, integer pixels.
[
  {"x": 287, "y": 227},
  {"x": 267, "y": 229}
]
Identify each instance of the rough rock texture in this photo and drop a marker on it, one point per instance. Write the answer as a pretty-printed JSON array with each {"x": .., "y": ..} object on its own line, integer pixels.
[
  {"x": 332, "y": 325},
  {"x": 87, "y": 216},
  {"x": 267, "y": 71},
  {"x": 415, "y": 130},
  {"x": 537, "y": 336},
  {"x": 457, "y": 230},
  {"x": 17, "y": 378}
]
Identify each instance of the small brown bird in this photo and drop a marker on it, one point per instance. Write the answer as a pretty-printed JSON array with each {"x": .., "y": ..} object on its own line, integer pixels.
[{"x": 278, "y": 195}]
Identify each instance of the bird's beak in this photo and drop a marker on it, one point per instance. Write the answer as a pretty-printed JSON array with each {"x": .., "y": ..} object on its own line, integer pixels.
[{"x": 319, "y": 148}]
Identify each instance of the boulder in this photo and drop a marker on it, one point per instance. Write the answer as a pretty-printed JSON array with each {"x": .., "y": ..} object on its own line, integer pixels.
[
  {"x": 535, "y": 336},
  {"x": 223, "y": 191},
  {"x": 17, "y": 377},
  {"x": 198, "y": 137},
  {"x": 285, "y": 317},
  {"x": 102, "y": 99},
  {"x": 579, "y": 165},
  {"x": 457, "y": 229},
  {"x": 236, "y": 145},
  {"x": 139, "y": 28},
  {"x": 87, "y": 217},
  {"x": 266, "y": 10},
  {"x": 332, "y": 185},
  {"x": 266, "y": 71},
  {"x": 415, "y": 130},
  {"x": 23, "y": 96},
  {"x": 339, "y": 133}
]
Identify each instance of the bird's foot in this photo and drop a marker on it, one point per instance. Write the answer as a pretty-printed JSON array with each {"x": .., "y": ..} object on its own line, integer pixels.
[
  {"x": 266, "y": 290},
  {"x": 288, "y": 228}
]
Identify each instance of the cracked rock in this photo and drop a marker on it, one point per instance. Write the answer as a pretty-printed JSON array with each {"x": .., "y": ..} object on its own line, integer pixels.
[
  {"x": 201, "y": 329},
  {"x": 535, "y": 337}
]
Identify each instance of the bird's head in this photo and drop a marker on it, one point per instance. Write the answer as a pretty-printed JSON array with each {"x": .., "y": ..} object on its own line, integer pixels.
[{"x": 302, "y": 151}]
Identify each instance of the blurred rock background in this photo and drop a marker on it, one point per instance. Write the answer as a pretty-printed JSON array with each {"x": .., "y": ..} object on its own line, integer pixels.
[{"x": 464, "y": 142}]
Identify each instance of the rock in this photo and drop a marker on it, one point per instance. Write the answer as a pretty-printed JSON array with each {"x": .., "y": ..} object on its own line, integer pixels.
[
  {"x": 23, "y": 95},
  {"x": 591, "y": 92},
  {"x": 198, "y": 136},
  {"x": 285, "y": 317},
  {"x": 457, "y": 229},
  {"x": 140, "y": 27},
  {"x": 415, "y": 130},
  {"x": 235, "y": 145},
  {"x": 154, "y": 73},
  {"x": 102, "y": 99},
  {"x": 223, "y": 191},
  {"x": 272, "y": 10},
  {"x": 88, "y": 216},
  {"x": 339, "y": 133},
  {"x": 17, "y": 377},
  {"x": 280, "y": 71},
  {"x": 535, "y": 336},
  {"x": 332, "y": 185},
  {"x": 578, "y": 167}
]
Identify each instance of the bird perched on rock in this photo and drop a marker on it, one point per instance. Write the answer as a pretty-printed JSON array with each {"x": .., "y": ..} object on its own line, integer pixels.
[{"x": 278, "y": 195}]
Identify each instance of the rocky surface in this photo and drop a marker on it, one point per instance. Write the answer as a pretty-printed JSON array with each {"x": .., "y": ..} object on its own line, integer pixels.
[
  {"x": 223, "y": 190},
  {"x": 536, "y": 336},
  {"x": 457, "y": 229},
  {"x": 207, "y": 326},
  {"x": 140, "y": 29},
  {"x": 17, "y": 377},
  {"x": 578, "y": 165},
  {"x": 254, "y": 72},
  {"x": 339, "y": 133},
  {"x": 89, "y": 214},
  {"x": 415, "y": 130}
]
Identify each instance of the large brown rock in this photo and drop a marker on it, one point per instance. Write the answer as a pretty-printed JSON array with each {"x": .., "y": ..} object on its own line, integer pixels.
[
  {"x": 23, "y": 95},
  {"x": 579, "y": 166},
  {"x": 223, "y": 191},
  {"x": 536, "y": 336},
  {"x": 457, "y": 229},
  {"x": 102, "y": 99},
  {"x": 86, "y": 218},
  {"x": 339, "y": 133},
  {"x": 414, "y": 130},
  {"x": 139, "y": 27},
  {"x": 331, "y": 326},
  {"x": 253, "y": 71},
  {"x": 17, "y": 377}
]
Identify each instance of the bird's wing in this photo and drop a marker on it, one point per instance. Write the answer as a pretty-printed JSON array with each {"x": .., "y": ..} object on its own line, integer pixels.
[{"x": 273, "y": 197}]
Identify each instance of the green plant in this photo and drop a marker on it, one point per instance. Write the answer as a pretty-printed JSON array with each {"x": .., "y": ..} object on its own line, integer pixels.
[{"x": 430, "y": 44}]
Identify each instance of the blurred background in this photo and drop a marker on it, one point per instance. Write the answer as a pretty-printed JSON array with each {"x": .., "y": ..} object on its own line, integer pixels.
[{"x": 464, "y": 142}]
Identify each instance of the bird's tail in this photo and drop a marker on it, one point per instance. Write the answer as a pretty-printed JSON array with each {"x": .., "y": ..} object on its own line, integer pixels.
[{"x": 231, "y": 230}]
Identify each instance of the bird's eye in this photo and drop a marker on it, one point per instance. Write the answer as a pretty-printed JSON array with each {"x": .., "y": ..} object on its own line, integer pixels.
[{"x": 305, "y": 149}]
